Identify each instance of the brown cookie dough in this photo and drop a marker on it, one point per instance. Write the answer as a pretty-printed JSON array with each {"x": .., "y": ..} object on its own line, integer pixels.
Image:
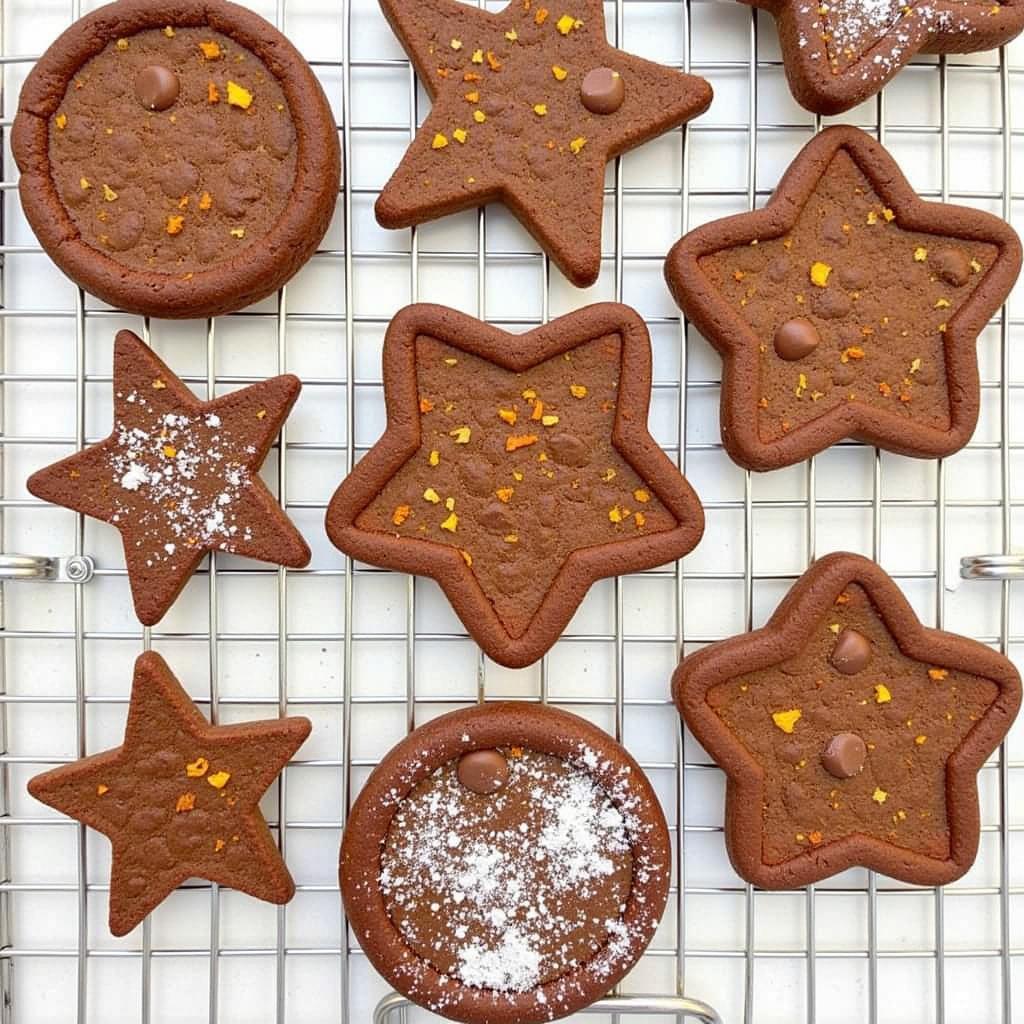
[
  {"x": 850, "y": 734},
  {"x": 529, "y": 105},
  {"x": 847, "y": 307},
  {"x": 516, "y": 903},
  {"x": 176, "y": 162},
  {"x": 516, "y": 470},
  {"x": 840, "y": 53},
  {"x": 179, "y": 477},
  {"x": 179, "y": 799}
]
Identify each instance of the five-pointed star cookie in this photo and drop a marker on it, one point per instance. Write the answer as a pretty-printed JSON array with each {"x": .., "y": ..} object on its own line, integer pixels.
[
  {"x": 850, "y": 733},
  {"x": 179, "y": 477},
  {"x": 516, "y": 470},
  {"x": 179, "y": 799},
  {"x": 847, "y": 307},
  {"x": 528, "y": 107},
  {"x": 838, "y": 54}
]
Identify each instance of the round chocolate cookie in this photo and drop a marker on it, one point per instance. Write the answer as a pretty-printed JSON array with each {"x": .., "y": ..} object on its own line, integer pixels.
[
  {"x": 505, "y": 863},
  {"x": 177, "y": 160}
]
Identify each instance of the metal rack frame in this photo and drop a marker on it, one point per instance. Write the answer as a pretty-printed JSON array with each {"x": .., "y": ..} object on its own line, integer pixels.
[{"x": 671, "y": 1004}]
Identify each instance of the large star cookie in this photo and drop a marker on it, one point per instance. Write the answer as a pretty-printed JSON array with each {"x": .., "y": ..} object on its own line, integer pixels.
[
  {"x": 850, "y": 733},
  {"x": 516, "y": 470},
  {"x": 179, "y": 477},
  {"x": 528, "y": 107},
  {"x": 847, "y": 307},
  {"x": 840, "y": 53},
  {"x": 179, "y": 798}
]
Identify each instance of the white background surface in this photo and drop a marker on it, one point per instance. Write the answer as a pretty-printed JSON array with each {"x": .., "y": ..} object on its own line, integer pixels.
[{"x": 337, "y": 310}]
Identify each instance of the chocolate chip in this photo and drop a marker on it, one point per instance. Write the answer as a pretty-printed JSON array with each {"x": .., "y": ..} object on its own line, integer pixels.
[
  {"x": 831, "y": 303},
  {"x": 844, "y": 755},
  {"x": 496, "y": 518},
  {"x": 796, "y": 338},
  {"x": 493, "y": 103},
  {"x": 569, "y": 450},
  {"x": 951, "y": 265},
  {"x": 237, "y": 201},
  {"x": 483, "y": 771},
  {"x": 280, "y": 138},
  {"x": 476, "y": 475},
  {"x": 178, "y": 178},
  {"x": 854, "y": 278},
  {"x": 832, "y": 230},
  {"x": 125, "y": 231},
  {"x": 851, "y": 653},
  {"x": 247, "y": 132},
  {"x": 156, "y": 87},
  {"x": 779, "y": 268},
  {"x": 603, "y": 91}
]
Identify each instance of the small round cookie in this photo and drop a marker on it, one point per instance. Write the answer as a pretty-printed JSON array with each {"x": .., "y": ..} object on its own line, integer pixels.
[
  {"x": 177, "y": 160},
  {"x": 505, "y": 863}
]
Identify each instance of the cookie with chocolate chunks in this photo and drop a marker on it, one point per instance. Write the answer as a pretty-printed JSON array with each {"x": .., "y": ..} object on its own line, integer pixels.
[
  {"x": 840, "y": 53},
  {"x": 528, "y": 106},
  {"x": 516, "y": 470},
  {"x": 516, "y": 894},
  {"x": 851, "y": 735},
  {"x": 177, "y": 160},
  {"x": 179, "y": 798},
  {"x": 847, "y": 307},
  {"x": 179, "y": 477}
]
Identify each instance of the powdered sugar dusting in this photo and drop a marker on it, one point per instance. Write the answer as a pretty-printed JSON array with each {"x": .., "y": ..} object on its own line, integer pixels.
[
  {"x": 518, "y": 890},
  {"x": 181, "y": 479}
]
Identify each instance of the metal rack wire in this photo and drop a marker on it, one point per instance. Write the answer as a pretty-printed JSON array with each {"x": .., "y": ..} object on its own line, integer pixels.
[{"x": 136, "y": 957}]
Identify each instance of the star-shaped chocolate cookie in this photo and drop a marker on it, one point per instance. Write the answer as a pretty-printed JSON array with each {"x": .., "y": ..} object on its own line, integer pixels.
[
  {"x": 840, "y": 53},
  {"x": 847, "y": 307},
  {"x": 179, "y": 798},
  {"x": 179, "y": 477},
  {"x": 529, "y": 105},
  {"x": 516, "y": 470},
  {"x": 850, "y": 733}
]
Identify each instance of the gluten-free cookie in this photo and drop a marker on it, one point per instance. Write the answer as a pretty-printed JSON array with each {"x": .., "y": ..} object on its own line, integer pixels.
[
  {"x": 179, "y": 798},
  {"x": 179, "y": 477},
  {"x": 846, "y": 307},
  {"x": 840, "y": 53},
  {"x": 177, "y": 160},
  {"x": 850, "y": 733},
  {"x": 529, "y": 105},
  {"x": 506, "y": 863},
  {"x": 516, "y": 470}
]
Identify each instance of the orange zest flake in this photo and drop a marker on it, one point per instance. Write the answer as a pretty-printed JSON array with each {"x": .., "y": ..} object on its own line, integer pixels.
[
  {"x": 937, "y": 674},
  {"x": 577, "y": 144},
  {"x": 205, "y": 201},
  {"x": 786, "y": 720},
  {"x": 640, "y": 519},
  {"x": 432, "y": 496},
  {"x": 515, "y": 752},
  {"x": 566, "y": 23},
  {"x": 508, "y": 416},
  {"x": 197, "y": 769},
  {"x": 461, "y": 434},
  {"x": 560, "y": 73},
  {"x": 239, "y": 96},
  {"x": 815, "y": 837},
  {"x": 61, "y": 121},
  {"x": 879, "y": 795},
  {"x": 478, "y": 57},
  {"x": 210, "y": 50},
  {"x": 517, "y": 441},
  {"x": 212, "y": 93},
  {"x": 101, "y": 789},
  {"x": 479, "y": 116},
  {"x": 175, "y": 225},
  {"x": 186, "y": 802},
  {"x": 538, "y": 409},
  {"x": 183, "y": 203},
  {"x": 504, "y": 494},
  {"x": 641, "y": 495},
  {"x": 472, "y": 97},
  {"x": 451, "y": 524},
  {"x": 426, "y": 405},
  {"x": 843, "y": 598},
  {"x": 616, "y": 514},
  {"x": 884, "y": 389},
  {"x": 466, "y": 557},
  {"x": 443, "y": 72},
  {"x": 158, "y": 385},
  {"x": 460, "y": 135},
  {"x": 578, "y": 390},
  {"x": 434, "y": 457},
  {"x": 218, "y": 845},
  {"x": 401, "y": 513},
  {"x": 170, "y": 451},
  {"x": 472, "y": 76},
  {"x": 512, "y": 35},
  {"x": 492, "y": 62},
  {"x": 218, "y": 779},
  {"x": 541, "y": 15},
  {"x": 853, "y": 352}
]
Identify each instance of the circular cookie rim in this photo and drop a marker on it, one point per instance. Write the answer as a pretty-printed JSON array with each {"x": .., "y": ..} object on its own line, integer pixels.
[
  {"x": 539, "y": 728},
  {"x": 229, "y": 284}
]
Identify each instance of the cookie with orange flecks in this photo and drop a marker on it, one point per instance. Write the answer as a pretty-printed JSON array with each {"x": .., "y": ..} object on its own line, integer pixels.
[
  {"x": 846, "y": 307},
  {"x": 529, "y": 105},
  {"x": 516, "y": 470},
  {"x": 179, "y": 798},
  {"x": 850, "y": 733}
]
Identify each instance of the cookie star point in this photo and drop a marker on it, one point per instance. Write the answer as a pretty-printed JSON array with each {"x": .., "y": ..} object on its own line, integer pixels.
[{"x": 179, "y": 798}]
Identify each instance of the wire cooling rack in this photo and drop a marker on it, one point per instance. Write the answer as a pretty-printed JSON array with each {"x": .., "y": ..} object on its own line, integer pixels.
[{"x": 369, "y": 654}]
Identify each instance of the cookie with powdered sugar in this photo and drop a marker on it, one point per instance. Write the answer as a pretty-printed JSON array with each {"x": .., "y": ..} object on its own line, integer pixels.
[
  {"x": 508, "y": 862},
  {"x": 840, "y": 53}
]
